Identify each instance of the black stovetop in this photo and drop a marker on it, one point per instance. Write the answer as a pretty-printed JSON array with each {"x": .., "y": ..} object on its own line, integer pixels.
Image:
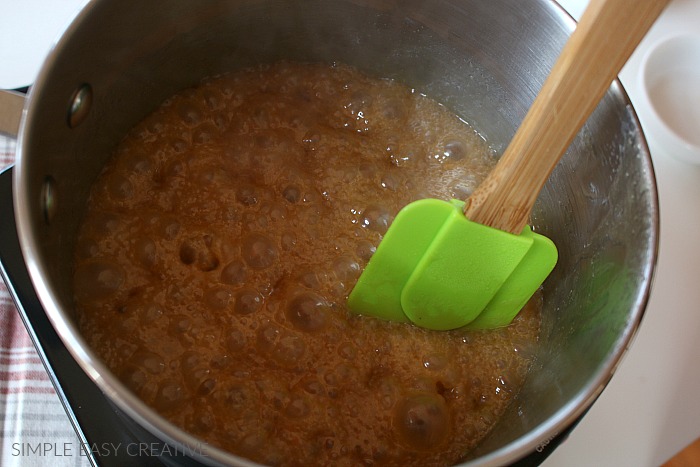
[{"x": 96, "y": 420}]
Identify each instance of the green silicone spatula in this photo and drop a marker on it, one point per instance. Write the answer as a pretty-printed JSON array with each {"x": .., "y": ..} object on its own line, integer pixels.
[{"x": 446, "y": 265}]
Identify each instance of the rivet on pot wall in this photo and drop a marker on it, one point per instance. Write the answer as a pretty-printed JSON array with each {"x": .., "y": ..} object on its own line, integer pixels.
[
  {"x": 80, "y": 105},
  {"x": 48, "y": 198}
]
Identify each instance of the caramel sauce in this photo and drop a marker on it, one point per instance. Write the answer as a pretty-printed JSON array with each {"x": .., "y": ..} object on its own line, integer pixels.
[{"x": 221, "y": 242}]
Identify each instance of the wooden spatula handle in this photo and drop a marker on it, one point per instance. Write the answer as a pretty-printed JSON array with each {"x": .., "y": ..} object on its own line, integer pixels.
[{"x": 606, "y": 36}]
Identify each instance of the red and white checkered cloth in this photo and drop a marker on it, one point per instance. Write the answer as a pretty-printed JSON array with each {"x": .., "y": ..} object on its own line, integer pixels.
[{"x": 35, "y": 429}]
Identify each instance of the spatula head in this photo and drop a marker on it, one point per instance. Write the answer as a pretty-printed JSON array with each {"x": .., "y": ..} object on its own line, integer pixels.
[{"x": 441, "y": 271}]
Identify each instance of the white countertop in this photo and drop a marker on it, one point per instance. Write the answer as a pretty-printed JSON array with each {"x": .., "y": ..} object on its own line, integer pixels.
[{"x": 650, "y": 409}]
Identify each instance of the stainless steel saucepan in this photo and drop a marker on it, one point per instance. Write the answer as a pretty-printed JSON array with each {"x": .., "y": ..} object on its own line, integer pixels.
[{"x": 484, "y": 59}]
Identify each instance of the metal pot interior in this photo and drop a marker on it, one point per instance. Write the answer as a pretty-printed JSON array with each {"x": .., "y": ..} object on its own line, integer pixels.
[{"x": 483, "y": 59}]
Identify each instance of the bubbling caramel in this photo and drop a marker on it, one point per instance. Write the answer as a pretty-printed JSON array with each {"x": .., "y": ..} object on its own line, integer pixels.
[{"x": 220, "y": 244}]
